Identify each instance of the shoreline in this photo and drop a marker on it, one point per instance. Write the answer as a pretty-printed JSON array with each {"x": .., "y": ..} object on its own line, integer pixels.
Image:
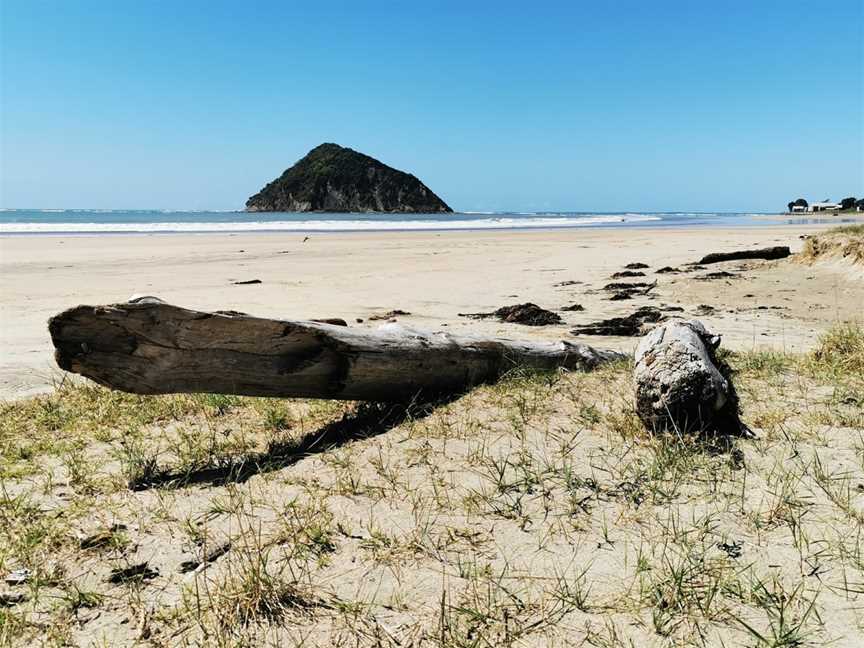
[
  {"x": 778, "y": 221},
  {"x": 120, "y": 222}
]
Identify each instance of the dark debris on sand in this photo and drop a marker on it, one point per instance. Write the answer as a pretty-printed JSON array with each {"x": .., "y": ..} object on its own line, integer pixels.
[
  {"x": 629, "y": 326},
  {"x": 208, "y": 557},
  {"x": 388, "y": 315},
  {"x": 705, "y": 309},
  {"x": 628, "y": 286},
  {"x": 628, "y": 273},
  {"x": 335, "y": 321},
  {"x": 636, "y": 266},
  {"x": 573, "y": 307},
  {"x": 134, "y": 573},
  {"x": 528, "y": 314},
  {"x": 722, "y": 274},
  {"x": 629, "y": 290}
]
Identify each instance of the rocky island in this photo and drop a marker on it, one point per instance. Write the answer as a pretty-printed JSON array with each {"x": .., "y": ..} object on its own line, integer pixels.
[{"x": 332, "y": 178}]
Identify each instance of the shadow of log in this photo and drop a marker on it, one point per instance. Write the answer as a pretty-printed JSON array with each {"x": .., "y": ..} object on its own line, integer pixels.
[{"x": 368, "y": 420}]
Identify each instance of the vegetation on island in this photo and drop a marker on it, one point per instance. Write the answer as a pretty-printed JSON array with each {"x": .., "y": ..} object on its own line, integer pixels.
[{"x": 332, "y": 178}]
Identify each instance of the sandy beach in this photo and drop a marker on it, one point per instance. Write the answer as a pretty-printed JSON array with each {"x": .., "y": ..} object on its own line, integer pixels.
[
  {"x": 432, "y": 275},
  {"x": 533, "y": 511}
]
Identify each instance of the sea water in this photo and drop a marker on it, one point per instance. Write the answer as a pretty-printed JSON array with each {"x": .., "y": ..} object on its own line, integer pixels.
[{"x": 142, "y": 221}]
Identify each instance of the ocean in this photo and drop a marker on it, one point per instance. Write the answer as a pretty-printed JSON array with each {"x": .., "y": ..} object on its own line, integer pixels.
[{"x": 143, "y": 221}]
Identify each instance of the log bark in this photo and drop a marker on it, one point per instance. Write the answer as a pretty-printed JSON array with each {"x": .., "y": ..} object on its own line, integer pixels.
[
  {"x": 680, "y": 384},
  {"x": 146, "y": 346},
  {"x": 769, "y": 253}
]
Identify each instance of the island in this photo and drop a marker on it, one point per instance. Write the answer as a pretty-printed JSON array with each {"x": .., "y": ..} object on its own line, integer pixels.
[{"x": 333, "y": 178}]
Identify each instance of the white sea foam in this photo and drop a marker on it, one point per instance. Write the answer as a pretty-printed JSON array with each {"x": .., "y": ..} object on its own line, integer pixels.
[{"x": 325, "y": 225}]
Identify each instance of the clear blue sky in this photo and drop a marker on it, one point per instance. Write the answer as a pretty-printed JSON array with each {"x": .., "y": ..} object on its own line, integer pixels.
[{"x": 495, "y": 105}]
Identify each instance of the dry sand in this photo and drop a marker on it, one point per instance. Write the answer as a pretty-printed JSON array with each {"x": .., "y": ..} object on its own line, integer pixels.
[{"x": 434, "y": 276}]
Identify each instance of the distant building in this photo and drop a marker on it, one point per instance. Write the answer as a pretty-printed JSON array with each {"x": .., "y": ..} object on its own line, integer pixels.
[
  {"x": 798, "y": 208},
  {"x": 824, "y": 206}
]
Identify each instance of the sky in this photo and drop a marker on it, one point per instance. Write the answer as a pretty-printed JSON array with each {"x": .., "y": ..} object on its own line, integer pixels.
[{"x": 521, "y": 106}]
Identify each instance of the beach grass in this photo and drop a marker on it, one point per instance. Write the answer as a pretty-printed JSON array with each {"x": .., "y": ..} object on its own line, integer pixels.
[{"x": 533, "y": 512}]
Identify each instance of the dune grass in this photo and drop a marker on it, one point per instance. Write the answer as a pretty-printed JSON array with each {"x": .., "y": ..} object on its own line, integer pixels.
[
  {"x": 533, "y": 512},
  {"x": 845, "y": 242}
]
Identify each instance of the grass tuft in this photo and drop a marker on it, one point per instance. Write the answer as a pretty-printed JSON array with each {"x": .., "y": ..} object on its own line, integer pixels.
[{"x": 841, "y": 350}]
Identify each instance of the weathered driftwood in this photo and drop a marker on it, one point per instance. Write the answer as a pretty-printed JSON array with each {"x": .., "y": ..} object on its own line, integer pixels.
[
  {"x": 680, "y": 384},
  {"x": 146, "y": 346},
  {"x": 769, "y": 253}
]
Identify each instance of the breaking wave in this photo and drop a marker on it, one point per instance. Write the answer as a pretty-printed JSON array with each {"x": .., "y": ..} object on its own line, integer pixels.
[{"x": 323, "y": 224}]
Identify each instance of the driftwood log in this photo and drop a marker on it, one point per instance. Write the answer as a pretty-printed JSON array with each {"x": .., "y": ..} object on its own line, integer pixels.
[
  {"x": 146, "y": 346},
  {"x": 769, "y": 253},
  {"x": 680, "y": 383}
]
